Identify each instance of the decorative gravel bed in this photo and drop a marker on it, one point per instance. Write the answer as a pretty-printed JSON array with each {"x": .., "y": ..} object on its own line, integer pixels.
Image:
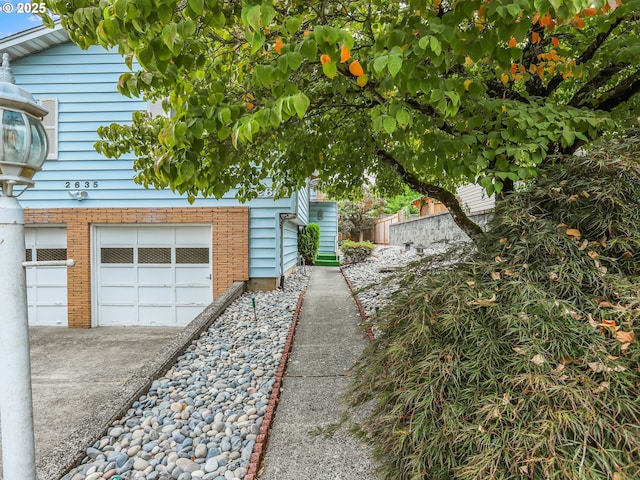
[
  {"x": 375, "y": 280},
  {"x": 201, "y": 419}
]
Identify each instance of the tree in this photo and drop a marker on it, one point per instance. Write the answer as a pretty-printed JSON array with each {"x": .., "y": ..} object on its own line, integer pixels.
[
  {"x": 400, "y": 201},
  {"x": 429, "y": 94},
  {"x": 358, "y": 216}
]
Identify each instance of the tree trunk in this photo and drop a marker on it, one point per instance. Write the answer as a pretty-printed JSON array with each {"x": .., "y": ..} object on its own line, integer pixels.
[{"x": 450, "y": 201}]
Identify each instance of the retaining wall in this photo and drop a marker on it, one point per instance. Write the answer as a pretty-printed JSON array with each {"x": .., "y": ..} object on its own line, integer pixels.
[{"x": 435, "y": 230}]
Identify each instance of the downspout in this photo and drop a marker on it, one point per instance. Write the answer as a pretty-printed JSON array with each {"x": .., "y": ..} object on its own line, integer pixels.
[{"x": 284, "y": 217}]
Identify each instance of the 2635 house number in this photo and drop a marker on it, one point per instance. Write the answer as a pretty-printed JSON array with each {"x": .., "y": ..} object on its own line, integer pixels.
[{"x": 89, "y": 184}]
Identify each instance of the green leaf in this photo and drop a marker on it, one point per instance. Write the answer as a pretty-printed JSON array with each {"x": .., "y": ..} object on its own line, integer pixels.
[
  {"x": 223, "y": 133},
  {"x": 268, "y": 14},
  {"x": 197, "y": 6},
  {"x": 253, "y": 17},
  {"x": 568, "y": 137},
  {"x": 179, "y": 130},
  {"x": 187, "y": 170},
  {"x": 257, "y": 41},
  {"x": 224, "y": 115},
  {"x": 301, "y": 102},
  {"x": 309, "y": 49},
  {"x": 435, "y": 45},
  {"x": 403, "y": 118},
  {"x": 292, "y": 24},
  {"x": 389, "y": 124},
  {"x": 294, "y": 59},
  {"x": 394, "y": 65},
  {"x": 330, "y": 69},
  {"x": 380, "y": 63},
  {"x": 169, "y": 35}
]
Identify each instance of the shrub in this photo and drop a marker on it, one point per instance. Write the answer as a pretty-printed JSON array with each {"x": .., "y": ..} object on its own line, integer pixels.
[
  {"x": 356, "y": 252},
  {"x": 520, "y": 360},
  {"x": 309, "y": 243}
]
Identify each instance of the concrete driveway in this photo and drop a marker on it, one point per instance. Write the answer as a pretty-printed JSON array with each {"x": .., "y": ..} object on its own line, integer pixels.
[
  {"x": 84, "y": 379},
  {"x": 75, "y": 373}
]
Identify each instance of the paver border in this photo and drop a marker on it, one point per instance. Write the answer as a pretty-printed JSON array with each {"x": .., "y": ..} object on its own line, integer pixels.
[
  {"x": 363, "y": 315},
  {"x": 260, "y": 447}
]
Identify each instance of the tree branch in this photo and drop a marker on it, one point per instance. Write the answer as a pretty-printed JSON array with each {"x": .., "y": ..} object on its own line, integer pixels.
[
  {"x": 585, "y": 57},
  {"x": 439, "y": 193},
  {"x": 620, "y": 93},
  {"x": 596, "y": 82}
]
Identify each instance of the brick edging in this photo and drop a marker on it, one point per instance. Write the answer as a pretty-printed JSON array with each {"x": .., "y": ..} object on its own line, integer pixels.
[
  {"x": 363, "y": 315},
  {"x": 260, "y": 447}
]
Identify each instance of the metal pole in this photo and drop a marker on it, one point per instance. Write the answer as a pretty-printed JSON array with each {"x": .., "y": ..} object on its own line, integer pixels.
[{"x": 16, "y": 409}]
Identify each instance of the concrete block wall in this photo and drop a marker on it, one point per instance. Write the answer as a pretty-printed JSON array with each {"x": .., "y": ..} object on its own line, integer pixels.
[
  {"x": 433, "y": 231},
  {"x": 230, "y": 244}
]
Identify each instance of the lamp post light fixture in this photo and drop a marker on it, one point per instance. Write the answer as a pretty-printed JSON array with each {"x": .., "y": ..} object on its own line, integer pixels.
[{"x": 23, "y": 149}]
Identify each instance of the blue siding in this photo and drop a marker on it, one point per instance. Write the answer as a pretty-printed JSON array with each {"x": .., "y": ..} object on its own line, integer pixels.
[
  {"x": 328, "y": 224},
  {"x": 84, "y": 83},
  {"x": 290, "y": 247}
]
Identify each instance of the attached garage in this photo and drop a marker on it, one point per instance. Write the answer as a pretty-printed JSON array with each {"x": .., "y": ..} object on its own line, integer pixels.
[
  {"x": 151, "y": 275},
  {"x": 46, "y": 286}
]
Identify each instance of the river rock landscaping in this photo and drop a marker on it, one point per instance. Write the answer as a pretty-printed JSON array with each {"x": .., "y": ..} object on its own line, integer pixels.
[
  {"x": 376, "y": 280},
  {"x": 201, "y": 419}
]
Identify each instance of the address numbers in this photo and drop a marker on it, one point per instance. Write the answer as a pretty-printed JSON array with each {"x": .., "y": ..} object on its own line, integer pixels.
[{"x": 80, "y": 184}]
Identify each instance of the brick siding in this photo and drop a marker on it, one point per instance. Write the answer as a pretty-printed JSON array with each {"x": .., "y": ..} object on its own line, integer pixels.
[{"x": 230, "y": 244}]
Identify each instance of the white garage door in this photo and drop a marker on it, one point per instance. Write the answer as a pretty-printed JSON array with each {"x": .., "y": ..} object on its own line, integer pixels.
[
  {"x": 46, "y": 286},
  {"x": 152, "y": 275}
]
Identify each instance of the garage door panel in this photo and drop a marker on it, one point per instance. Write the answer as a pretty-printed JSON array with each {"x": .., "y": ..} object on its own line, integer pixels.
[
  {"x": 164, "y": 261},
  {"x": 186, "y": 236},
  {"x": 52, "y": 295},
  {"x": 55, "y": 315},
  {"x": 112, "y": 315},
  {"x": 117, "y": 275},
  {"x": 192, "y": 275},
  {"x": 117, "y": 236},
  {"x": 155, "y": 295},
  {"x": 159, "y": 276},
  {"x": 50, "y": 275},
  {"x": 191, "y": 295},
  {"x": 46, "y": 286},
  {"x": 189, "y": 311},
  {"x": 156, "y": 235},
  {"x": 118, "y": 295},
  {"x": 157, "y": 315},
  {"x": 51, "y": 236}
]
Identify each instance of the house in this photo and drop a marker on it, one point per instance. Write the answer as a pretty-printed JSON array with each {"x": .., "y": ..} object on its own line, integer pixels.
[
  {"x": 143, "y": 257},
  {"x": 472, "y": 197}
]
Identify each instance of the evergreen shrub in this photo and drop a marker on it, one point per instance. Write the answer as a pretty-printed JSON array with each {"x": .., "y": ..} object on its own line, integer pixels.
[
  {"x": 309, "y": 243},
  {"x": 518, "y": 358},
  {"x": 356, "y": 252}
]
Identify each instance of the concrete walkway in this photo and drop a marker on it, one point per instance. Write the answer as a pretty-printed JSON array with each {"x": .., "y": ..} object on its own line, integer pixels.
[{"x": 310, "y": 438}]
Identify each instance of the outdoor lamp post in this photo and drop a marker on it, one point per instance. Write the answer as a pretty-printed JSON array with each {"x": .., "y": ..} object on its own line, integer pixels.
[{"x": 23, "y": 149}]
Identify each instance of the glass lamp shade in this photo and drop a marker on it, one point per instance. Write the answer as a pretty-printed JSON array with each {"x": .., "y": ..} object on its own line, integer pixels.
[{"x": 23, "y": 146}]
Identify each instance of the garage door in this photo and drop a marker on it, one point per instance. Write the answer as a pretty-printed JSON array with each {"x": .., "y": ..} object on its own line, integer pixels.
[
  {"x": 152, "y": 275},
  {"x": 46, "y": 286}
]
